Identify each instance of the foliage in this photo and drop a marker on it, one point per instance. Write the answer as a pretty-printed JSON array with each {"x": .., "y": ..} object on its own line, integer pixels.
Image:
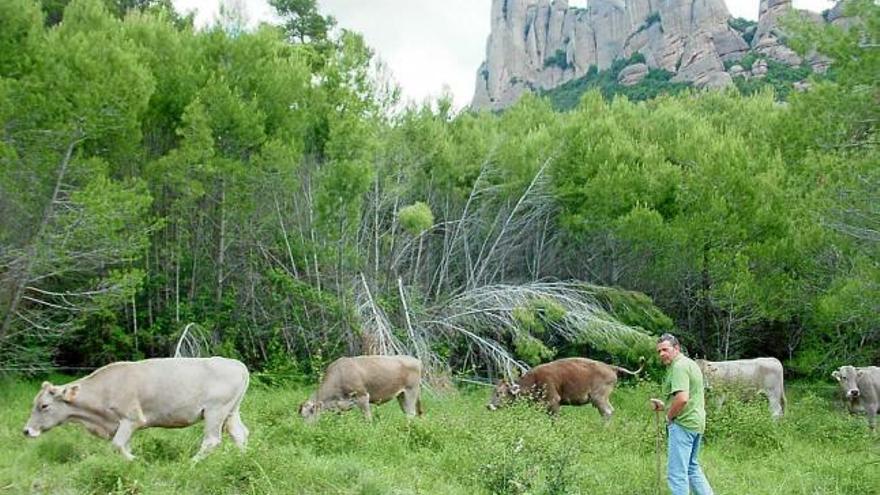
[
  {"x": 653, "y": 18},
  {"x": 416, "y": 217},
  {"x": 263, "y": 184},
  {"x": 656, "y": 83},
  {"x": 558, "y": 59},
  {"x": 746, "y": 28},
  {"x": 779, "y": 76},
  {"x": 635, "y": 309}
]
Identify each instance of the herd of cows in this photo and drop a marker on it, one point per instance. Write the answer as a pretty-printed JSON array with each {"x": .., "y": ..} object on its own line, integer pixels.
[{"x": 121, "y": 398}]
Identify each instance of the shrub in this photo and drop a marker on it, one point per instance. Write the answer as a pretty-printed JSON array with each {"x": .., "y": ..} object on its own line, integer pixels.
[
  {"x": 416, "y": 217},
  {"x": 558, "y": 59},
  {"x": 531, "y": 350},
  {"x": 743, "y": 418}
]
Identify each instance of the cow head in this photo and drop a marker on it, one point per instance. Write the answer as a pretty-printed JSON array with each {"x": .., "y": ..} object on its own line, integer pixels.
[
  {"x": 847, "y": 377},
  {"x": 311, "y": 409},
  {"x": 52, "y": 406},
  {"x": 707, "y": 368},
  {"x": 504, "y": 392}
]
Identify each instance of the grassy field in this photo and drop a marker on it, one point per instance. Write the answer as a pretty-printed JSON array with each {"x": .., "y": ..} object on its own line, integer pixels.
[{"x": 458, "y": 447}]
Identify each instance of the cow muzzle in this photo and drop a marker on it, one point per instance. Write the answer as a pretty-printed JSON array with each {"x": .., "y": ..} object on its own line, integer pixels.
[
  {"x": 853, "y": 393},
  {"x": 30, "y": 432}
]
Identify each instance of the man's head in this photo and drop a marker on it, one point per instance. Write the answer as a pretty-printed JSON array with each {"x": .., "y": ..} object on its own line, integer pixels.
[{"x": 668, "y": 348}]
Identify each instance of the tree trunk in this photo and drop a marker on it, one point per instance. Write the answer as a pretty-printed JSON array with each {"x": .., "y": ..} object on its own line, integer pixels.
[{"x": 20, "y": 280}]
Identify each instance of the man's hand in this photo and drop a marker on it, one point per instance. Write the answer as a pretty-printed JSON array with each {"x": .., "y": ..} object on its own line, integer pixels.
[{"x": 657, "y": 405}]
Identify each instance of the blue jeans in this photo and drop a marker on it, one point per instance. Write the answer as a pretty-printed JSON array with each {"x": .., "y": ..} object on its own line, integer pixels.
[{"x": 683, "y": 467}]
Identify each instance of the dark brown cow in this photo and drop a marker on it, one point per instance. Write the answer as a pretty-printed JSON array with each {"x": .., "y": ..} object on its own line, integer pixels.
[{"x": 570, "y": 381}]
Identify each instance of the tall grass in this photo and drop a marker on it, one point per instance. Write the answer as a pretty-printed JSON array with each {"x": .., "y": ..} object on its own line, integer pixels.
[{"x": 458, "y": 447}]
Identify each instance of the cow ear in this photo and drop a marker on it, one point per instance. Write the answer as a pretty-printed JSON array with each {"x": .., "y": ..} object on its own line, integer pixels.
[
  {"x": 45, "y": 386},
  {"x": 70, "y": 392},
  {"x": 860, "y": 373},
  {"x": 836, "y": 375}
]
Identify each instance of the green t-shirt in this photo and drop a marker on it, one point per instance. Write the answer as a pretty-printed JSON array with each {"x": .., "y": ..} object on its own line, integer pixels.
[{"x": 684, "y": 374}]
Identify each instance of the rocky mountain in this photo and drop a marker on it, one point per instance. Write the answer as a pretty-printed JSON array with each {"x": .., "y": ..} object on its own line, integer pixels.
[{"x": 541, "y": 44}]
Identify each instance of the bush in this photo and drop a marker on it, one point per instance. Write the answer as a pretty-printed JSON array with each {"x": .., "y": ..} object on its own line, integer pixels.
[
  {"x": 416, "y": 217},
  {"x": 531, "y": 350},
  {"x": 103, "y": 475},
  {"x": 743, "y": 418},
  {"x": 529, "y": 455},
  {"x": 558, "y": 59}
]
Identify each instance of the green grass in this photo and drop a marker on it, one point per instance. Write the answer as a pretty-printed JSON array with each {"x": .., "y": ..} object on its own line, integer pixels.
[{"x": 458, "y": 447}]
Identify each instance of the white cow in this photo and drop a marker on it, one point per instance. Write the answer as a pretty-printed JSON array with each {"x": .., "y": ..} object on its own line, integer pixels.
[
  {"x": 121, "y": 398},
  {"x": 761, "y": 374},
  {"x": 861, "y": 389}
]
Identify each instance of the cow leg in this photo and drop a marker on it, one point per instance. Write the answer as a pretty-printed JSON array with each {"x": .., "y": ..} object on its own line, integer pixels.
[
  {"x": 363, "y": 402},
  {"x": 408, "y": 400},
  {"x": 872, "y": 417},
  {"x": 604, "y": 406},
  {"x": 236, "y": 429},
  {"x": 553, "y": 403},
  {"x": 775, "y": 406},
  {"x": 401, "y": 399},
  {"x": 122, "y": 437},
  {"x": 213, "y": 426}
]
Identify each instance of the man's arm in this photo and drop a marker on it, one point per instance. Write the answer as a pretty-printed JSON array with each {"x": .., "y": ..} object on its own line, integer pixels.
[{"x": 679, "y": 400}]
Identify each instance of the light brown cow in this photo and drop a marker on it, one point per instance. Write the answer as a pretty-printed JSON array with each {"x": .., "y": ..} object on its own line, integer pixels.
[
  {"x": 759, "y": 374},
  {"x": 861, "y": 388},
  {"x": 569, "y": 381},
  {"x": 121, "y": 398},
  {"x": 365, "y": 380}
]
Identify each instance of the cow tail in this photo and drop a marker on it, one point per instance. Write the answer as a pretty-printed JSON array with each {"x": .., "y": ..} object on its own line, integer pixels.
[{"x": 621, "y": 369}]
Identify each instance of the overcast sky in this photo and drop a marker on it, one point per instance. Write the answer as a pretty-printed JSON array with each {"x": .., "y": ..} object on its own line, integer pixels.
[{"x": 428, "y": 44}]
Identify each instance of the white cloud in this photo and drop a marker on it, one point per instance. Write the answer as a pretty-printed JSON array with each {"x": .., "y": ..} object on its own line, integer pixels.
[{"x": 428, "y": 44}]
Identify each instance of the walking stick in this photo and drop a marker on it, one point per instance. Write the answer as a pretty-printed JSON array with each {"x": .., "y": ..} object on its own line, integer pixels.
[{"x": 657, "y": 406}]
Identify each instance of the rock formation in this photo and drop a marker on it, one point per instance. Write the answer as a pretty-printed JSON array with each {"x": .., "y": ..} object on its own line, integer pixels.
[{"x": 541, "y": 44}]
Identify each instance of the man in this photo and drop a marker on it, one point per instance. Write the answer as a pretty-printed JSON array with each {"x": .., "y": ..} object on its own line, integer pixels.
[{"x": 685, "y": 418}]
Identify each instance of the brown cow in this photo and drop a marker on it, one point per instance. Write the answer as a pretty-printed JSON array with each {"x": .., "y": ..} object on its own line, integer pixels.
[
  {"x": 365, "y": 380},
  {"x": 570, "y": 381}
]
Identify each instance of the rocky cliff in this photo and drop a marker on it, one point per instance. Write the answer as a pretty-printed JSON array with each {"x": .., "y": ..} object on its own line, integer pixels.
[{"x": 539, "y": 44}]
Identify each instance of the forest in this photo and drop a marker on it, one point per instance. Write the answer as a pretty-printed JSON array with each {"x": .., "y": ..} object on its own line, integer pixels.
[{"x": 264, "y": 193}]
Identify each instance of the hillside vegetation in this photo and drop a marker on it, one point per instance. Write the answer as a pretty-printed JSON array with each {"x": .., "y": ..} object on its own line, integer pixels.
[{"x": 263, "y": 189}]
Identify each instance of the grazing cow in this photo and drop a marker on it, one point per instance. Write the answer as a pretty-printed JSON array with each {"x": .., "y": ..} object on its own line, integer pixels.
[
  {"x": 861, "y": 388},
  {"x": 570, "y": 381},
  {"x": 760, "y": 374},
  {"x": 121, "y": 398},
  {"x": 365, "y": 380}
]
